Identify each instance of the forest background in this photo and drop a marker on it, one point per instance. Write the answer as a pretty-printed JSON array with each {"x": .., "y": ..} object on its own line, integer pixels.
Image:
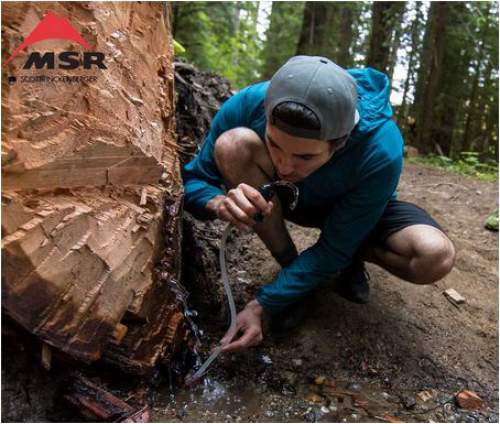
[{"x": 441, "y": 57}]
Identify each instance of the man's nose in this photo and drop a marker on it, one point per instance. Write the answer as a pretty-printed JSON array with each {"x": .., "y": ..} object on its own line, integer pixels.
[{"x": 285, "y": 165}]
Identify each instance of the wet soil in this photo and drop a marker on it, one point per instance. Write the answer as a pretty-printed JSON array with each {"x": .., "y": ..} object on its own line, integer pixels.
[{"x": 405, "y": 354}]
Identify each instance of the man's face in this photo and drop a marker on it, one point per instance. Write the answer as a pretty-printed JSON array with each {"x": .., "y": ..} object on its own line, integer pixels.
[{"x": 294, "y": 158}]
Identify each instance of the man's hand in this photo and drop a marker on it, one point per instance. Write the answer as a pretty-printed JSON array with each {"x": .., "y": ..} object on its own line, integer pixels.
[
  {"x": 240, "y": 206},
  {"x": 248, "y": 322}
]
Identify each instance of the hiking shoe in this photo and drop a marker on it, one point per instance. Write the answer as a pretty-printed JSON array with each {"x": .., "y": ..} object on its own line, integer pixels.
[
  {"x": 292, "y": 316},
  {"x": 352, "y": 283}
]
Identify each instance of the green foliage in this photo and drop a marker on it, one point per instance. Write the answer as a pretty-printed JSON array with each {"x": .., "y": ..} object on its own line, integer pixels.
[
  {"x": 221, "y": 37},
  {"x": 468, "y": 163},
  {"x": 491, "y": 222}
]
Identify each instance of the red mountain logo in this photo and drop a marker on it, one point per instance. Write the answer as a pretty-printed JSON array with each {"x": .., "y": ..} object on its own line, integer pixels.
[{"x": 51, "y": 27}]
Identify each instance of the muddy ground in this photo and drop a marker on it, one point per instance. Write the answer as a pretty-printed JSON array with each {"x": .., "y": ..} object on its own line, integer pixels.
[{"x": 408, "y": 344}]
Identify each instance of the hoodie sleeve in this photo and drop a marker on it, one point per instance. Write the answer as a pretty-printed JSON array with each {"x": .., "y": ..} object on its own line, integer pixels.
[
  {"x": 202, "y": 179},
  {"x": 347, "y": 226}
]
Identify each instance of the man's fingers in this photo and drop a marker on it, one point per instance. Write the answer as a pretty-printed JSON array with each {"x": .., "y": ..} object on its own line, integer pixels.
[
  {"x": 229, "y": 335},
  {"x": 254, "y": 196},
  {"x": 226, "y": 214},
  {"x": 238, "y": 214},
  {"x": 269, "y": 209},
  {"x": 243, "y": 203},
  {"x": 248, "y": 339}
]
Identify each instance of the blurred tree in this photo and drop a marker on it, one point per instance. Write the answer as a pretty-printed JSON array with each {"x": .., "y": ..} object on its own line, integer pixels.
[
  {"x": 328, "y": 29},
  {"x": 221, "y": 37},
  {"x": 431, "y": 59},
  {"x": 282, "y": 35},
  {"x": 385, "y": 35},
  {"x": 412, "y": 40}
]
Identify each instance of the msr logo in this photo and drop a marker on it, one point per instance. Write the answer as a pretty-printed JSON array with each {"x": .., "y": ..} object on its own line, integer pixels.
[{"x": 55, "y": 27}]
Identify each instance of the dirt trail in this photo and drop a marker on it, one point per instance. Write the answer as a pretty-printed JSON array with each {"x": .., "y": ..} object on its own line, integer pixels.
[{"x": 406, "y": 340}]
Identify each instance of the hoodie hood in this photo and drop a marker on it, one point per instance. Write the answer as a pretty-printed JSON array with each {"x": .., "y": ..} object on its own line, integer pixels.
[{"x": 373, "y": 99}]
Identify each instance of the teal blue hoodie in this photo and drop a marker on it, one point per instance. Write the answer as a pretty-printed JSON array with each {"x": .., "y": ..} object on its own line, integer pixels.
[{"x": 351, "y": 189}]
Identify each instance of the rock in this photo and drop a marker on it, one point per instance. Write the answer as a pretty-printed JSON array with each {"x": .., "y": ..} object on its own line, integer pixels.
[
  {"x": 469, "y": 400},
  {"x": 425, "y": 395},
  {"x": 454, "y": 296},
  {"x": 297, "y": 362},
  {"x": 409, "y": 402}
]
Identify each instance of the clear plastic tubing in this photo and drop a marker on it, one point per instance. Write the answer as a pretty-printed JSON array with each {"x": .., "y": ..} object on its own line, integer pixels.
[{"x": 232, "y": 307}]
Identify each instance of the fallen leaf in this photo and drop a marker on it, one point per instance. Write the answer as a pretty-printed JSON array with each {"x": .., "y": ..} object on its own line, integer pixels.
[
  {"x": 391, "y": 419},
  {"x": 469, "y": 400}
]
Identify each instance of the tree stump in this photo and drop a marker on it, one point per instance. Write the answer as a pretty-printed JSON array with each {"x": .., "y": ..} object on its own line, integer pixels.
[{"x": 92, "y": 194}]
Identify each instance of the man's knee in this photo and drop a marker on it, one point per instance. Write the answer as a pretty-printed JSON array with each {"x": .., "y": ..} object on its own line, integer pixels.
[
  {"x": 434, "y": 258},
  {"x": 236, "y": 149}
]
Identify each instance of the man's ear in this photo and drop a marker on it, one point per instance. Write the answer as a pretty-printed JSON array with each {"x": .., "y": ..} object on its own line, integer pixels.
[{"x": 331, "y": 148}]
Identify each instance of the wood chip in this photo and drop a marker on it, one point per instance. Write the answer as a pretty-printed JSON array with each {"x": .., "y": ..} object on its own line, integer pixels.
[
  {"x": 469, "y": 400},
  {"x": 454, "y": 296},
  {"x": 144, "y": 196},
  {"x": 425, "y": 395}
]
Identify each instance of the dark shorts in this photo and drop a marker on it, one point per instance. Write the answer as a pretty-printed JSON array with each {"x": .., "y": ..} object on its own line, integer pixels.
[{"x": 397, "y": 215}]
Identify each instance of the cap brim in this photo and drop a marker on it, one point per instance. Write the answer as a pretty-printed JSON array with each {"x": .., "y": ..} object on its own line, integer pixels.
[{"x": 356, "y": 117}]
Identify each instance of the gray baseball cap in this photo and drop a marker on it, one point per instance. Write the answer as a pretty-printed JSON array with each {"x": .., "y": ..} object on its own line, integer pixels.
[{"x": 322, "y": 86}]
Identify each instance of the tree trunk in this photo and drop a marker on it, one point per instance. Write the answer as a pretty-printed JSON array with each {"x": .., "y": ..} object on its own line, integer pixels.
[
  {"x": 472, "y": 115},
  {"x": 317, "y": 35},
  {"x": 385, "y": 16},
  {"x": 283, "y": 31},
  {"x": 92, "y": 190},
  {"x": 344, "y": 57},
  {"x": 431, "y": 64}
]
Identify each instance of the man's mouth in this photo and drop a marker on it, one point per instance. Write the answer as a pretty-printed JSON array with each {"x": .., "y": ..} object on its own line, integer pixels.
[{"x": 290, "y": 177}]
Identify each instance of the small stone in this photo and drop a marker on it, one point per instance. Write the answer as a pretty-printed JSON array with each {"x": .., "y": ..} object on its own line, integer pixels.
[
  {"x": 354, "y": 387},
  {"x": 310, "y": 417},
  {"x": 319, "y": 380},
  {"x": 297, "y": 362},
  {"x": 314, "y": 398},
  {"x": 454, "y": 296},
  {"x": 409, "y": 402},
  {"x": 425, "y": 395},
  {"x": 493, "y": 418},
  {"x": 469, "y": 400},
  {"x": 266, "y": 359},
  {"x": 385, "y": 395}
]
